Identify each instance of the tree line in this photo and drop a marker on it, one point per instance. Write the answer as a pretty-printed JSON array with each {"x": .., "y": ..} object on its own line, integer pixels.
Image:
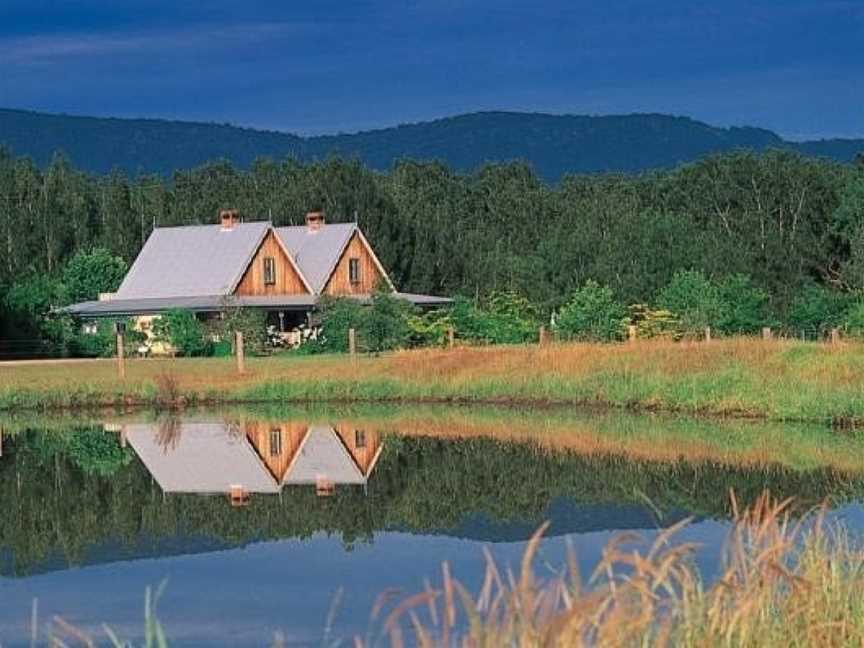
[{"x": 789, "y": 224}]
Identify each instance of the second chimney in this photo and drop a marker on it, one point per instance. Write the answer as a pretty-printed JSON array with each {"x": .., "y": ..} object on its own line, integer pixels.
[
  {"x": 229, "y": 218},
  {"x": 314, "y": 220}
]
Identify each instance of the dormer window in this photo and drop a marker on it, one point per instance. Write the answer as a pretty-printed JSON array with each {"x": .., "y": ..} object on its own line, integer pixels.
[
  {"x": 354, "y": 270},
  {"x": 269, "y": 271}
]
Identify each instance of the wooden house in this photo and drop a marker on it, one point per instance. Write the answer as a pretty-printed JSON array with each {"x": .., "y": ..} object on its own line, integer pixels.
[{"x": 282, "y": 270}]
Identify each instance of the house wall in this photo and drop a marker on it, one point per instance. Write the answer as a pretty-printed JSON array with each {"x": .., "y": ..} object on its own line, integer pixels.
[
  {"x": 291, "y": 436},
  {"x": 340, "y": 284},
  {"x": 363, "y": 456},
  {"x": 288, "y": 282}
]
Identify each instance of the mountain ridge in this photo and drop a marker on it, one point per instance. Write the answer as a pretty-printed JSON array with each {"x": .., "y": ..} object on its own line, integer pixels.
[{"x": 554, "y": 145}]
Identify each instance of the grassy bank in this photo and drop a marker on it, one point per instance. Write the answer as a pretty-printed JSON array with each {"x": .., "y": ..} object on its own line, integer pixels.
[{"x": 777, "y": 380}]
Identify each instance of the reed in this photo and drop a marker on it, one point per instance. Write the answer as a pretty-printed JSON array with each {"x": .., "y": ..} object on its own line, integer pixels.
[{"x": 784, "y": 583}]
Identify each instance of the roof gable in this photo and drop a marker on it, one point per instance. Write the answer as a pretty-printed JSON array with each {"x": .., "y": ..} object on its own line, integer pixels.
[
  {"x": 323, "y": 455},
  {"x": 317, "y": 252},
  {"x": 192, "y": 261}
]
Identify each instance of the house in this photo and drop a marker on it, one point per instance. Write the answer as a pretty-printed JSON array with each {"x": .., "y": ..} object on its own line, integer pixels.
[
  {"x": 284, "y": 271},
  {"x": 219, "y": 457}
]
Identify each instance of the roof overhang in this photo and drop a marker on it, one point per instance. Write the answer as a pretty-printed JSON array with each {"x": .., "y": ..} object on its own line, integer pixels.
[{"x": 217, "y": 303}]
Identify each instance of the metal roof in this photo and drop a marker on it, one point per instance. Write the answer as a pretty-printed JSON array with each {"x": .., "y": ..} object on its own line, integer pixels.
[
  {"x": 316, "y": 252},
  {"x": 203, "y": 304},
  {"x": 192, "y": 261},
  {"x": 200, "y": 458},
  {"x": 322, "y": 455}
]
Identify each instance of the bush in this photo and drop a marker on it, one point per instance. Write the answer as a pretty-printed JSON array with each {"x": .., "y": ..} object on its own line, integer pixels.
[
  {"x": 103, "y": 343},
  {"x": 654, "y": 322},
  {"x": 183, "y": 331},
  {"x": 505, "y": 318},
  {"x": 384, "y": 324},
  {"x": 695, "y": 301},
  {"x": 854, "y": 320},
  {"x": 336, "y": 315},
  {"x": 818, "y": 310},
  {"x": 252, "y": 323},
  {"x": 592, "y": 314},
  {"x": 745, "y": 307}
]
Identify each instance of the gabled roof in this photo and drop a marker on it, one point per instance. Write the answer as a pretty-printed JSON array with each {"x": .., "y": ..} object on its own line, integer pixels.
[
  {"x": 316, "y": 252},
  {"x": 200, "y": 458},
  {"x": 192, "y": 261},
  {"x": 322, "y": 455}
]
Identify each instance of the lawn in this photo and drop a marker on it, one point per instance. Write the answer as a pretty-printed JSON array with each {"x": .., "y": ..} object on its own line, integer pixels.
[{"x": 775, "y": 379}]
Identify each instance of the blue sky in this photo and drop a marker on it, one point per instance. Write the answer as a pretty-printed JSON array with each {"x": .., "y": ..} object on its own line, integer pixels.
[{"x": 795, "y": 66}]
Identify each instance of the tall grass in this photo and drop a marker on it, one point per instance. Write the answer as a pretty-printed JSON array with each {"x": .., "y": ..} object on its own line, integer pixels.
[
  {"x": 784, "y": 583},
  {"x": 780, "y": 380}
]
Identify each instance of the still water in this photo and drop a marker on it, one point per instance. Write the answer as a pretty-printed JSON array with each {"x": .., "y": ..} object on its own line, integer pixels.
[{"x": 264, "y": 522}]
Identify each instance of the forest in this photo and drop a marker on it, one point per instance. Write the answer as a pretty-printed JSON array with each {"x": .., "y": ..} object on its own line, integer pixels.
[{"x": 787, "y": 224}]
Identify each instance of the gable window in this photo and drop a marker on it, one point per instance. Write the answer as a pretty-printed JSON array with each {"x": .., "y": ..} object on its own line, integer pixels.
[
  {"x": 275, "y": 442},
  {"x": 354, "y": 270},
  {"x": 269, "y": 271}
]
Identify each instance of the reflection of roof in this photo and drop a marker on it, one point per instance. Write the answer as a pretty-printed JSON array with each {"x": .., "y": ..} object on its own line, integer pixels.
[
  {"x": 200, "y": 458},
  {"x": 322, "y": 455}
]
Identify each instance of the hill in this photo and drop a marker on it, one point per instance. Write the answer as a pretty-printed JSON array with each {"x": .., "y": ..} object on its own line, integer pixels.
[{"x": 553, "y": 144}]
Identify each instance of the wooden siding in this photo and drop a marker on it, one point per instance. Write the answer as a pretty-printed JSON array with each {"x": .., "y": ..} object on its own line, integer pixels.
[
  {"x": 339, "y": 282},
  {"x": 288, "y": 281},
  {"x": 363, "y": 455},
  {"x": 277, "y": 459}
]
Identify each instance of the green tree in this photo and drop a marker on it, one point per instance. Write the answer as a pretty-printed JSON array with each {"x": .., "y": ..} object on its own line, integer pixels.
[
  {"x": 746, "y": 308},
  {"x": 89, "y": 273},
  {"x": 384, "y": 323},
  {"x": 695, "y": 300},
  {"x": 592, "y": 314},
  {"x": 817, "y": 310},
  {"x": 335, "y": 316}
]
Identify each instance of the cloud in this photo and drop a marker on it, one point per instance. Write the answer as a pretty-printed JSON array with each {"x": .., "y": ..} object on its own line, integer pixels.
[{"x": 46, "y": 49}]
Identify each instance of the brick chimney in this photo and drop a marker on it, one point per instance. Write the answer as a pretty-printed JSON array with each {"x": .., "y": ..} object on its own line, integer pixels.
[
  {"x": 314, "y": 220},
  {"x": 229, "y": 218}
]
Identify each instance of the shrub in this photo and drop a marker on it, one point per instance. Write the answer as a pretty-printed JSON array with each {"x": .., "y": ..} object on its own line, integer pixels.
[
  {"x": 652, "y": 323},
  {"x": 183, "y": 331},
  {"x": 252, "y": 323},
  {"x": 384, "y": 324},
  {"x": 103, "y": 343},
  {"x": 695, "y": 301},
  {"x": 817, "y": 310},
  {"x": 505, "y": 318},
  {"x": 745, "y": 306},
  {"x": 592, "y": 314},
  {"x": 854, "y": 320},
  {"x": 430, "y": 328},
  {"x": 336, "y": 315}
]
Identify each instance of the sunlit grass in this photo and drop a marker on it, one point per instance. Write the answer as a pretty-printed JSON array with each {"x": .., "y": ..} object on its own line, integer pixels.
[{"x": 782, "y": 380}]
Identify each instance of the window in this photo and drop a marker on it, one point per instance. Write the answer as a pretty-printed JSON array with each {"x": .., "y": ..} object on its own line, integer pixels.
[
  {"x": 359, "y": 439},
  {"x": 354, "y": 270},
  {"x": 269, "y": 271},
  {"x": 275, "y": 442}
]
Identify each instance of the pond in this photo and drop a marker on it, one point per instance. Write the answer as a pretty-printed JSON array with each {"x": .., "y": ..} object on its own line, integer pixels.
[{"x": 294, "y": 521}]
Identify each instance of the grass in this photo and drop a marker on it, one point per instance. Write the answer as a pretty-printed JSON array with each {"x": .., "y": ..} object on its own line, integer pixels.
[
  {"x": 784, "y": 582},
  {"x": 778, "y": 380}
]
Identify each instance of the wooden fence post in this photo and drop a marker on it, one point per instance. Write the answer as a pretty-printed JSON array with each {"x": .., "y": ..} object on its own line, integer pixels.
[
  {"x": 121, "y": 356},
  {"x": 835, "y": 336},
  {"x": 766, "y": 333},
  {"x": 707, "y": 333},
  {"x": 451, "y": 337},
  {"x": 352, "y": 342},
  {"x": 541, "y": 336},
  {"x": 241, "y": 354},
  {"x": 631, "y": 333}
]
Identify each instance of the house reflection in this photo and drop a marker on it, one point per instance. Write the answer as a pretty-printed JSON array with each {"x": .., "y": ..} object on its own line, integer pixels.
[{"x": 242, "y": 458}]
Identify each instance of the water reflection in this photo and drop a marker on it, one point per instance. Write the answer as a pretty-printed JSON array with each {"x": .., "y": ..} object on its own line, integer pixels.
[
  {"x": 241, "y": 458},
  {"x": 362, "y": 500}
]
